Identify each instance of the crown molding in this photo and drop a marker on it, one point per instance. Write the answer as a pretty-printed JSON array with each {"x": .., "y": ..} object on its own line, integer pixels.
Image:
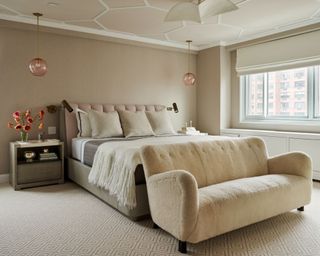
[
  {"x": 73, "y": 30},
  {"x": 61, "y": 28}
]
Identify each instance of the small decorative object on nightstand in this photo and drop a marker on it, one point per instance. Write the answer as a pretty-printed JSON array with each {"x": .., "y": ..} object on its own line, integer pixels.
[
  {"x": 36, "y": 163},
  {"x": 190, "y": 130}
]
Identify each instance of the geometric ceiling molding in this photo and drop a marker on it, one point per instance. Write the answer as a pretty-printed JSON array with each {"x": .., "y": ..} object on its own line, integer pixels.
[
  {"x": 124, "y": 3},
  {"x": 6, "y": 11},
  {"x": 205, "y": 33},
  {"x": 255, "y": 31},
  {"x": 165, "y": 4},
  {"x": 143, "y": 20},
  {"x": 261, "y": 14},
  {"x": 207, "y": 20},
  {"x": 57, "y": 10},
  {"x": 127, "y": 20}
]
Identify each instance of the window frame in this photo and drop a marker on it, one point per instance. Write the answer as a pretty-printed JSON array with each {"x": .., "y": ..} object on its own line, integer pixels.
[
  {"x": 316, "y": 94},
  {"x": 313, "y": 98}
]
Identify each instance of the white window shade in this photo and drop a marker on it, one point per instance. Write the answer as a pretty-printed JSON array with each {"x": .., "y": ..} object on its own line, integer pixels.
[{"x": 296, "y": 51}]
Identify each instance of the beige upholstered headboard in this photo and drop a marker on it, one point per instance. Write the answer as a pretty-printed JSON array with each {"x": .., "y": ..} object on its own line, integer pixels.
[{"x": 70, "y": 121}]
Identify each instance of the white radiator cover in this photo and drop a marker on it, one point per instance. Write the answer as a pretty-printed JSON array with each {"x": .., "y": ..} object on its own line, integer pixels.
[{"x": 282, "y": 142}]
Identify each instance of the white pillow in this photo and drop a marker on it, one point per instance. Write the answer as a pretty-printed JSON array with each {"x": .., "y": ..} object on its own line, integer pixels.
[
  {"x": 105, "y": 125},
  {"x": 160, "y": 122},
  {"x": 135, "y": 124},
  {"x": 83, "y": 123}
]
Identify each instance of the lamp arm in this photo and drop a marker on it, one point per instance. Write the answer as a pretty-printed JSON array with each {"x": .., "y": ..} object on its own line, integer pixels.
[
  {"x": 173, "y": 108},
  {"x": 66, "y": 105}
]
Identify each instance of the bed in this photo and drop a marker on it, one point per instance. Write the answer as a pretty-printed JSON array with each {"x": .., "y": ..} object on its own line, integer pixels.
[{"x": 81, "y": 153}]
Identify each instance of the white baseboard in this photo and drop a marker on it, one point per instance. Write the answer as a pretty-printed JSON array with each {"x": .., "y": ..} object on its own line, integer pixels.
[{"x": 4, "y": 178}]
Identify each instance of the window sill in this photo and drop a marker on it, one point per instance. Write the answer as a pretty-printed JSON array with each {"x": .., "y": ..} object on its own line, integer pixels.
[
  {"x": 270, "y": 133},
  {"x": 281, "y": 125}
]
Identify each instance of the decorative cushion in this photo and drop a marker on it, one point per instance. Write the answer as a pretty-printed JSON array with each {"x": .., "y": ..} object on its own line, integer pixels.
[
  {"x": 160, "y": 122},
  {"x": 104, "y": 124},
  {"x": 83, "y": 123},
  {"x": 135, "y": 124}
]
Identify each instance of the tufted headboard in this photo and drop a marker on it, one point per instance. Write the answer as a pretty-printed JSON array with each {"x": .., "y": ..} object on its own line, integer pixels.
[{"x": 70, "y": 121}]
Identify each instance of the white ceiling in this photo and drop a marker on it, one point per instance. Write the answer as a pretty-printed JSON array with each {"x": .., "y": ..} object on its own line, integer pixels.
[{"x": 142, "y": 20}]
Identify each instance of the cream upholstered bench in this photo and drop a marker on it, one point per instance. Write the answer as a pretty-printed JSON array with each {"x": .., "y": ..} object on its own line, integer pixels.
[{"x": 200, "y": 190}]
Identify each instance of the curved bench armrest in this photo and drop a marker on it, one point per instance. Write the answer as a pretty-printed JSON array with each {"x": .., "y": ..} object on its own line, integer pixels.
[
  {"x": 174, "y": 202},
  {"x": 295, "y": 163}
]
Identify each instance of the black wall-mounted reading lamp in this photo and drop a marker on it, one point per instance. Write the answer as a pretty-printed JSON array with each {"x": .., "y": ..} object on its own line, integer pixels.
[
  {"x": 66, "y": 105},
  {"x": 173, "y": 108},
  {"x": 53, "y": 108}
]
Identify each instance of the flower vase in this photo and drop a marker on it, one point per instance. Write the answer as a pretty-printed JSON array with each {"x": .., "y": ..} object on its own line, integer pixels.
[{"x": 24, "y": 136}]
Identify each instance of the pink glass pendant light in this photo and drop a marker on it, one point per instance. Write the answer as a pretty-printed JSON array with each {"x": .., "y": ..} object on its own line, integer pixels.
[
  {"x": 38, "y": 66},
  {"x": 189, "y": 78}
]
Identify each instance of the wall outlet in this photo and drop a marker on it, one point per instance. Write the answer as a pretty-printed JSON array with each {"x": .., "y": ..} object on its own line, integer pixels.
[{"x": 52, "y": 130}]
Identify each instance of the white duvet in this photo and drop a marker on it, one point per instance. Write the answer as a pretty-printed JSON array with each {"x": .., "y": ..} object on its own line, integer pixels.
[{"x": 115, "y": 163}]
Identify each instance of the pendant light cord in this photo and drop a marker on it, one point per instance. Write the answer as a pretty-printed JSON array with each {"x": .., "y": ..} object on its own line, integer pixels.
[
  {"x": 38, "y": 15},
  {"x": 189, "y": 42},
  {"x": 37, "y": 49},
  {"x": 188, "y": 56}
]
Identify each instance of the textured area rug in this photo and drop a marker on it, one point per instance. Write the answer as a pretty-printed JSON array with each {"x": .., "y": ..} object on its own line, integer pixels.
[{"x": 67, "y": 220}]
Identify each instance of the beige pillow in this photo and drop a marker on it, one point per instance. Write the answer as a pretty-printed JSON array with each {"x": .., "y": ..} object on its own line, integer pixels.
[
  {"x": 83, "y": 123},
  {"x": 160, "y": 122},
  {"x": 135, "y": 124},
  {"x": 105, "y": 125}
]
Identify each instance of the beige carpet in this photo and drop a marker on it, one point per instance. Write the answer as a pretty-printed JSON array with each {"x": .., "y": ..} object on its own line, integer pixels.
[{"x": 66, "y": 220}]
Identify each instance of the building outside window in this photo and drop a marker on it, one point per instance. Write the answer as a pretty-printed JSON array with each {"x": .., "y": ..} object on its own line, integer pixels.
[{"x": 283, "y": 94}]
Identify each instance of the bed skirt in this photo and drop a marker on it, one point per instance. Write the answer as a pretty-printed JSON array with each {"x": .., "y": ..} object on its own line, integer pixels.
[{"x": 79, "y": 173}]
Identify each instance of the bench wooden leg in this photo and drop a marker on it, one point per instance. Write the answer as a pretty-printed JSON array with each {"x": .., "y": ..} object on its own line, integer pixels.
[
  {"x": 182, "y": 247},
  {"x": 301, "y": 209}
]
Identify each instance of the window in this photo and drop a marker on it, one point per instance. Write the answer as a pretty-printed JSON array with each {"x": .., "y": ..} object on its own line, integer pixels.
[
  {"x": 284, "y": 85},
  {"x": 317, "y": 93},
  {"x": 284, "y": 107},
  {"x": 300, "y": 85},
  {"x": 285, "y": 94},
  {"x": 255, "y": 93},
  {"x": 299, "y": 96},
  {"x": 283, "y": 75},
  {"x": 299, "y": 74},
  {"x": 299, "y": 106}
]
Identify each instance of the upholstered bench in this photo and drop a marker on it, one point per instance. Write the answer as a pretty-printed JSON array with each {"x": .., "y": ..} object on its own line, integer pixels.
[{"x": 200, "y": 190}]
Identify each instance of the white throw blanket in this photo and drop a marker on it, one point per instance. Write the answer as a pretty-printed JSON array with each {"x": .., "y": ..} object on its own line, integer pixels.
[{"x": 115, "y": 163}]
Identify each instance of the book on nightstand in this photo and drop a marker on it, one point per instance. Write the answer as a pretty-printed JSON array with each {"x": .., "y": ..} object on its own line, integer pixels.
[{"x": 48, "y": 156}]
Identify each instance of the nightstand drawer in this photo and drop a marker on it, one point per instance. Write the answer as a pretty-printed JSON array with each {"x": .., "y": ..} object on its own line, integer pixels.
[{"x": 36, "y": 172}]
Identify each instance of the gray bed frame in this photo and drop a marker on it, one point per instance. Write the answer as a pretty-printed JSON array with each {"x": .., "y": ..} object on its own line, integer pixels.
[{"x": 78, "y": 172}]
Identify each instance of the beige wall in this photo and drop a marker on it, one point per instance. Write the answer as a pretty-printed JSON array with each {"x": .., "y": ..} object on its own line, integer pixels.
[
  {"x": 214, "y": 90},
  {"x": 235, "y": 92},
  {"x": 208, "y": 90},
  {"x": 225, "y": 87},
  {"x": 85, "y": 70}
]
